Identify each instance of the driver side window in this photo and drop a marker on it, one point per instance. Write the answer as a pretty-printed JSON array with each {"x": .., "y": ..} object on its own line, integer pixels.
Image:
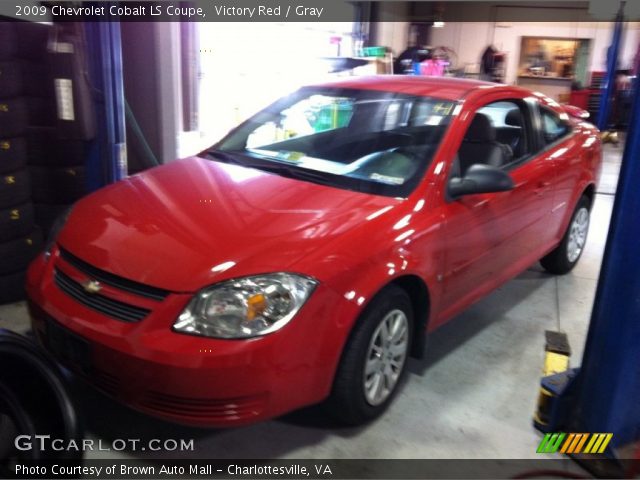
[{"x": 497, "y": 136}]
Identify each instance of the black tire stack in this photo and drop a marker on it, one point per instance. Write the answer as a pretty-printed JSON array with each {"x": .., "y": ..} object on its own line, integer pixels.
[
  {"x": 57, "y": 152},
  {"x": 57, "y": 174},
  {"x": 25, "y": 100}
]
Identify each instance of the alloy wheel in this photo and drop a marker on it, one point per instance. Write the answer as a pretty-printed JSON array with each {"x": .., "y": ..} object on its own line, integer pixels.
[
  {"x": 385, "y": 358},
  {"x": 578, "y": 234}
]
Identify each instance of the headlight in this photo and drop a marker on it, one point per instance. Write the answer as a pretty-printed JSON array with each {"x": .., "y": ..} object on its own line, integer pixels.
[
  {"x": 55, "y": 230},
  {"x": 246, "y": 307}
]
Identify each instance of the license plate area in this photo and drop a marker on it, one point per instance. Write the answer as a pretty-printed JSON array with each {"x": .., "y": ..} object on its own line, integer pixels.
[{"x": 71, "y": 349}]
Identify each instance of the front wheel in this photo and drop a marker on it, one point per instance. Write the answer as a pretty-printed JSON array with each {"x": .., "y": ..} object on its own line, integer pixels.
[
  {"x": 566, "y": 255},
  {"x": 374, "y": 360}
]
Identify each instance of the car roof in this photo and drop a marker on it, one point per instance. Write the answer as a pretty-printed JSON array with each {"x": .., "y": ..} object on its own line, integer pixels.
[{"x": 438, "y": 87}]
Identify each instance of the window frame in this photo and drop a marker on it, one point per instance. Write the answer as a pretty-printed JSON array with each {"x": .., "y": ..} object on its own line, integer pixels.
[
  {"x": 532, "y": 136},
  {"x": 529, "y": 131}
]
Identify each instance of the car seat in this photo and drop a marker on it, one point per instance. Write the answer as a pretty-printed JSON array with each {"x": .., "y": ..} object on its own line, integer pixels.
[
  {"x": 514, "y": 119},
  {"x": 480, "y": 146}
]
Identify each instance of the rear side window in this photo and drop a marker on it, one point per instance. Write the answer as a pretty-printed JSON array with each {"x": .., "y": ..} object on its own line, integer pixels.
[{"x": 553, "y": 127}]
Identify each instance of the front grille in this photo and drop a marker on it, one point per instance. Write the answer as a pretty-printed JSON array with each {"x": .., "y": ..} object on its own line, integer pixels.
[
  {"x": 100, "y": 303},
  {"x": 206, "y": 408},
  {"x": 113, "y": 280},
  {"x": 104, "y": 381}
]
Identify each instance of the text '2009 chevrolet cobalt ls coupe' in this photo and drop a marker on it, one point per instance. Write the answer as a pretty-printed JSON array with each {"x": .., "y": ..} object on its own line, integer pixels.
[{"x": 304, "y": 257}]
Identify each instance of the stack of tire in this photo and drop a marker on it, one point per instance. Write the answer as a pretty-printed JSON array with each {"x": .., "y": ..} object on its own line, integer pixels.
[
  {"x": 57, "y": 154},
  {"x": 57, "y": 174},
  {"x": 25, "y": 100}
]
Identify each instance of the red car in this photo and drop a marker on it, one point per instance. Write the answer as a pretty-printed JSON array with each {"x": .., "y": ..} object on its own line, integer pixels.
[{"x": 305, "y": 256}]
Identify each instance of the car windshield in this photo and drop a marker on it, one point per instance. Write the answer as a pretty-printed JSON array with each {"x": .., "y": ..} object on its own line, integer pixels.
[{"x": 364, "y": 140}]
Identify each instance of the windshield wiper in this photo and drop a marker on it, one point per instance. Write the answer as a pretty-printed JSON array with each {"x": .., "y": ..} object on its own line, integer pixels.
[
  {"x": 274, "y": 166},
  {"x": 224, "y": 156}
]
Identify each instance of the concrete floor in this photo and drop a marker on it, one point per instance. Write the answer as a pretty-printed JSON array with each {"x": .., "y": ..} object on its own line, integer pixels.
[{"x": 473, "y": 397}]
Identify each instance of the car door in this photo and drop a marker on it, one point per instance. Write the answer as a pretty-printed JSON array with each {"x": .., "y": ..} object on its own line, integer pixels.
[
  {"x": 565, "y": 150},
  {"x": 491, "y": 237}
]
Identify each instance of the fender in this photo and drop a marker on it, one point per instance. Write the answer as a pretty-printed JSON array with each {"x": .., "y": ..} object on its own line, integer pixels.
[
  {"x": 590, "y": 171},
  {"x": 586, "y": 182},
  {"x": 396, "y": 266}
]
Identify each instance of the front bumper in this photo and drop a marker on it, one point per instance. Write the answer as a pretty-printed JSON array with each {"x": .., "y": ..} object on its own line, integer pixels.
[{"x": 190, "y": 379}]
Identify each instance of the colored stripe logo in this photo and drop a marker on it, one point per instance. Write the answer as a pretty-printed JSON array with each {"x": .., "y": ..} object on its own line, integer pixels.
[{"x": 574, "y": 443}]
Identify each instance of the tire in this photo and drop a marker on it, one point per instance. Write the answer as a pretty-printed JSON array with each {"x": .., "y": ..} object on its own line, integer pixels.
[
  {"x": 11, "y": 79},
  {"x": 41, "y": 111},
  {"x": 46, "y": 215},
  {"x": 82, "y": 125},
  {"x": 45, "y": 150},
  {"x": 13, "y": 154},
  {"x": 14, "y": 421},
  {"x": 32, "y": 40},
  {"x": 8, "y": 433},
  {"x": 14, "y": 117},
  {"x": 40, "y": 143},
  {"x": 16, "y": 255},
  {"x": 43, "y": 404},
  {"x": 20, "y": 77},
  {"x": 16, "y": 222},
  {"x": 12, "y": 288},
  {"x": 565, "y": 256},
  {"x": 15, "y": 188},
  {"x": 351, "y": 401},
  {"x": 70, "y": 153},
  {"x": 57, "y": 185},
  {"x": 8, "y": 40}
]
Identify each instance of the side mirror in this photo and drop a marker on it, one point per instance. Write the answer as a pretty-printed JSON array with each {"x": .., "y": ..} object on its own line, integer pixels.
[{"x": 480, "y": 179}]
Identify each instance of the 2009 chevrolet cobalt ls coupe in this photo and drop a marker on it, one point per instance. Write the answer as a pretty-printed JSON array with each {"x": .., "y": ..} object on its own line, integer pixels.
[{"x": 304, "y": 257}]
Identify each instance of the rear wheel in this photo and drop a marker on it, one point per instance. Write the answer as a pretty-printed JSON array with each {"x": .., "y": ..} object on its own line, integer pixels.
[
  {"x": 566, "y": 255},
  {"x": 374, "y": 360}
]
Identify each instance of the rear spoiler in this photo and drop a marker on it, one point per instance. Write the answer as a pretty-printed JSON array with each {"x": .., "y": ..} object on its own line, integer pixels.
[{"x": 576, "y": 112}]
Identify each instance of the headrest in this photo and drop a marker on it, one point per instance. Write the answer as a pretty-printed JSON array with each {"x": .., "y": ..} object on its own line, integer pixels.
[
  {"x": 513, "y": 118},
  {"x": 480, "y": 130}
]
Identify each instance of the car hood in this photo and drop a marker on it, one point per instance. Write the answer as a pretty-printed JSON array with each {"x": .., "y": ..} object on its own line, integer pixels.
[{"x": 194, "y": 222}]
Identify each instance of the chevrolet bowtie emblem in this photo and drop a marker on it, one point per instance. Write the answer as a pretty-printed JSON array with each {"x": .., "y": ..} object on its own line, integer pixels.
[{"x": 92, "y": 286}]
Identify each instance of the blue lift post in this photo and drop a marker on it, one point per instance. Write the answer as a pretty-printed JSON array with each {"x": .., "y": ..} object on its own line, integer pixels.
[
  {"x": 107, "y": 162},
  {"x": 606, "y": 99},
  {"x": 608, "y": 390}
]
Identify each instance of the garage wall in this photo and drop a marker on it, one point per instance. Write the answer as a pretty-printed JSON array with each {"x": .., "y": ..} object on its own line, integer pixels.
[
  {"x": 393, "y": 35},
  {"x": 387, "y": 30},
  {"x": 469, "y": 39}
]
